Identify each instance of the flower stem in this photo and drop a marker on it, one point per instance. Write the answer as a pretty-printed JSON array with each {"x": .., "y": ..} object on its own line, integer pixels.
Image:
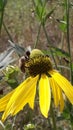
[
  {"x": 70, "y": 107},
  {"x": 1, "y": 19},
  {"x": 13, "y": 124},
  {"x": 37, "y": 36},
  {"x": 49, "y": 42},
  {"x": 53, "y": 117},
  {"x": 10, "y": 37},
  {"x": 68, "y": 37},
  {"x": 3, "y": 126}
]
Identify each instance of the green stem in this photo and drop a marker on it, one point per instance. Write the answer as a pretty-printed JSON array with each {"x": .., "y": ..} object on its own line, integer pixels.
[
  {"x": 60, "y": 58},
  {"x": 49, "y": 122},
  {"x": 53, "y": 118},
  {"x": 10, "y": 37},
  {"x": 13, "y": 124},
  {"x": 1, "y": 19},
  {"x": 37, "y": 36},
  {"x": 3, "y": 126},
  {"x": 68, "y": 38},
  {"x": 70, "y": 107},
  {"x": 49, "y": 42}
]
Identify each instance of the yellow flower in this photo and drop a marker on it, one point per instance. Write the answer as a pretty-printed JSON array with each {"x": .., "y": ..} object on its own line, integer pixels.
[{"x": 49, "y": 80}]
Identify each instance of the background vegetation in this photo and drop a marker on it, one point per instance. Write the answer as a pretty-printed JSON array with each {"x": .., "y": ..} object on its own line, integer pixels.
[{"x": 43, "y": 24}]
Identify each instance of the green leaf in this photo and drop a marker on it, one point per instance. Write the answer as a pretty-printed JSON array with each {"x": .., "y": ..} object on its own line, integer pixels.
[
  {"x": 8, "y": 127},
  {"x": 2, "y": 4},
  {"x": 11, "y": 76},
  {"x": 12, "y": 83},
  {"x": 63, "y": 25},
  {"x": 65, "y": 114},
  {"x": 40, "y": 8},
  {"x": 58, "y": 52},
  {"x": 41, "y": 11},
  {"x": 49, "y": 14},
  {"x": 29, "y": 127}
]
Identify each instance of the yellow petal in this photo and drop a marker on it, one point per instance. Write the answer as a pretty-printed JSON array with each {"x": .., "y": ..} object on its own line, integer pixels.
[
  {"x": 54, "y": 91},
  {"x": 57, "y": 94},
  {"x": 64, "y": 84},
  {"x": 32, "y": 95},
  {"x": 61, "y": 99},
  {"x": 21, "y": 96},
  {"x": 44, "y": 95},
  {"x": 4, "y": 101},
  {"x": 28, "y": 97}
]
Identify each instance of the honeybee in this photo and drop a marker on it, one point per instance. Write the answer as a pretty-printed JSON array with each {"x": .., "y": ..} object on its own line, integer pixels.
[{"x": 24, "y": 58}]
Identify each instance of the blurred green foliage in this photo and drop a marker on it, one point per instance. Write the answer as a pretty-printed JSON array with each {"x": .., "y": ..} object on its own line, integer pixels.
[
  {"x": 29, "y": 127},
  {"x": 44, "y": 13},
  {"x": 11, "y": 76},
  {"x": 41, "y": 10},
  {"x": 2, "y": 7}
]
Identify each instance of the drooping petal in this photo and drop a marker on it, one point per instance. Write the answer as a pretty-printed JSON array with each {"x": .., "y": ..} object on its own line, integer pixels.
[
  {"x": 57, "y": 94},
  {"x": 32, "y": 95},
  {"x": 44, "y": 95},
  {"x": 54, "y": 92},
  {"x": 28, "y": 97},
  {"x": 4, "y": 101},
  {"x": 61, "y": 99},
  {"x": 64, "y": 84},
  {"x": 24, "y": 92}
]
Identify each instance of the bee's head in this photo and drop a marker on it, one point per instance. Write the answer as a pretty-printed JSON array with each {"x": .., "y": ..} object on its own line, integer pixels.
[{"x": 27, "y": 52}]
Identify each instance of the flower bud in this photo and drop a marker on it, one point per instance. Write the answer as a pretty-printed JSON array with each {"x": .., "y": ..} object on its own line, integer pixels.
[{"x": 36, "y": 53}]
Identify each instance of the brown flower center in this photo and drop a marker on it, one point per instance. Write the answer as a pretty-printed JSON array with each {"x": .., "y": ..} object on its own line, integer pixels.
[{"x": 38, "y": 65}]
